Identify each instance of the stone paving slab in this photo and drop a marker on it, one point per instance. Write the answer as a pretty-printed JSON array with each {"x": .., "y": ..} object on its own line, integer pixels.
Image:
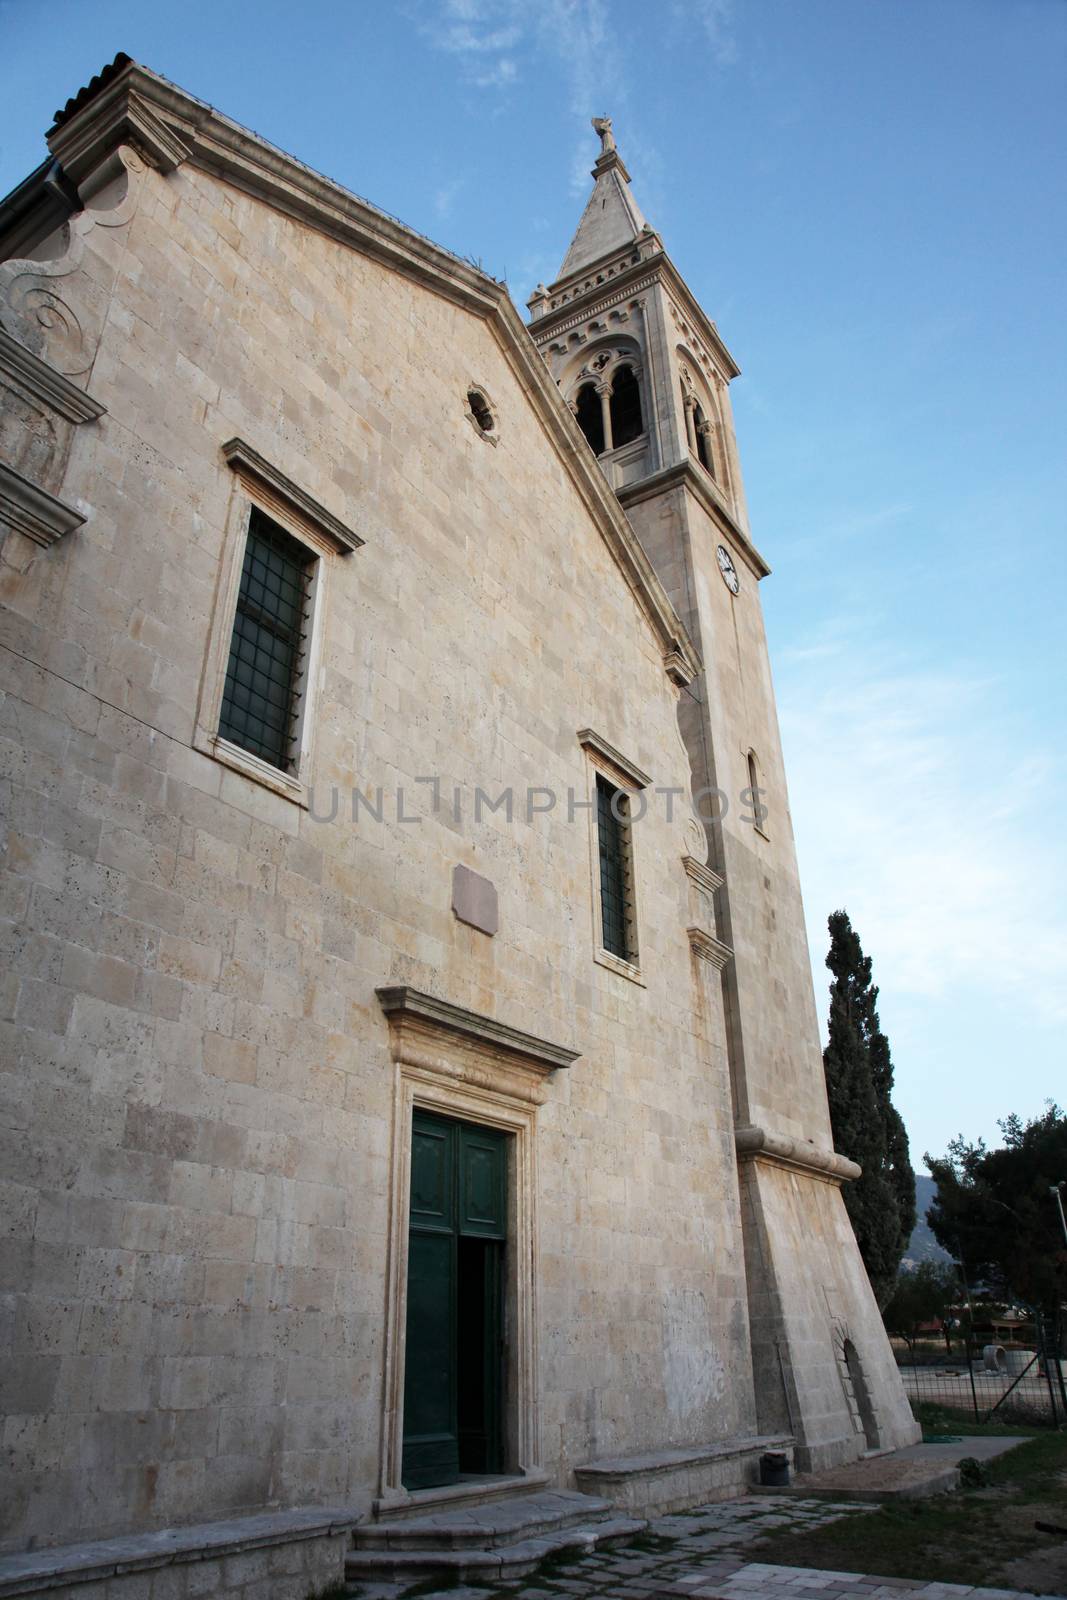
[{"x": 760, "y": 1581}]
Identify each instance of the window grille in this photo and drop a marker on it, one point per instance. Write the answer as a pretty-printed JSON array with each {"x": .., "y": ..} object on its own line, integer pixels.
[
  {"x": 260, "y": 699},
  {"x": 616, "y": 885}
]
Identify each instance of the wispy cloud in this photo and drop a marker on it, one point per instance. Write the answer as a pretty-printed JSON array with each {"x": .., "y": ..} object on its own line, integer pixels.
[
  {"x": 445, "y": 197},
  {"x": 579, "y": 43},
  {"x": 927, "y": 829},
  {"x": 482, "y": 34},
  {"x": 715, "y": 17},
  {"x": 496, "y": 40}
]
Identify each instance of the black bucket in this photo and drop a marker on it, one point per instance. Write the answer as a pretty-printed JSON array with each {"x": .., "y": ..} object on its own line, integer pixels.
[{"x": 774, "y": 1469}]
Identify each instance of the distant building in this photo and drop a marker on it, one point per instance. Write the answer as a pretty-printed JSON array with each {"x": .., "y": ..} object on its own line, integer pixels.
[{"x": 414, "y": 1082}]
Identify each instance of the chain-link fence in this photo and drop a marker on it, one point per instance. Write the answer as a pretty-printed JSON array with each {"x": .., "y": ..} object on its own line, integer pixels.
[{"x": 1020, "y": 1383}]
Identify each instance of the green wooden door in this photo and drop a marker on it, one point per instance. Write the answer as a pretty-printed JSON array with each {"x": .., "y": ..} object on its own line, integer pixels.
[{"x": 453, "y": 1367}]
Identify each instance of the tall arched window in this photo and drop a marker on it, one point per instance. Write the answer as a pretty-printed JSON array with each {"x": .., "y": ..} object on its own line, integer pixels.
[
  {"x": 591, "y": 417},
  {"x": 702, "y": 428},
  {"x": 626, "y": 422},
  {"x": 755, "y": 794}
]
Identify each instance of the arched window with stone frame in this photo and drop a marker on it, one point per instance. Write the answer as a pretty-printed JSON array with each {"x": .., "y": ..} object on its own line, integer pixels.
[
  {"x": 627, "y": 421},
  {"x": 603, "y": 387},
  {"x": 703, "y": 429},
  {"x": 755, "y": 793},
  {"x": 698, "y": 409},
  {"x": 590, "y": 415}
]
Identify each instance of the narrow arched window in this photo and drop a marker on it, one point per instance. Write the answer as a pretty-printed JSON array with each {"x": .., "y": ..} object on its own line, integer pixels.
[
  {"x": 702, "y": 429},
  {"x": 755, "y": 794},
  {"x": 626, "y": 423},
  {"x": 591, "y": 417}
]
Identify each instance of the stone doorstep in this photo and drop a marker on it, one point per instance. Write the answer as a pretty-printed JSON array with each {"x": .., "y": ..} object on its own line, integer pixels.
[
  {"x": 511, "y": 1561},
  {"x": 57, "y": 1565},
  {"x": 477, "y": 1492},
  {"x": 489, "y": 1526}
]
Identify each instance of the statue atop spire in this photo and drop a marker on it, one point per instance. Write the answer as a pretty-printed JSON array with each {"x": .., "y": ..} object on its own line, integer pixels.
[
  {"x": 602, "y": 125},
  {"x": 612, "y": 219}
]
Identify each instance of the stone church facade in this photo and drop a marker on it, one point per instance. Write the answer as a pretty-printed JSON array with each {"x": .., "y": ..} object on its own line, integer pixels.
[{"x": 412, "y": 1081}]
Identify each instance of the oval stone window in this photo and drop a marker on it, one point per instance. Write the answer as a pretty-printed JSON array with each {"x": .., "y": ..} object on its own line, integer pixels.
[{"x": 479, "y": 410}]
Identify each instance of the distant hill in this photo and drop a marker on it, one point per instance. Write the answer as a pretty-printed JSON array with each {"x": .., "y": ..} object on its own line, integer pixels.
[{"x": 922, "y": 1246}]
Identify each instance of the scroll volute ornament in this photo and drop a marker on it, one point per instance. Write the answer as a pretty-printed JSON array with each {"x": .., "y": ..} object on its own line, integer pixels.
[{"x": 57, "y": 308}]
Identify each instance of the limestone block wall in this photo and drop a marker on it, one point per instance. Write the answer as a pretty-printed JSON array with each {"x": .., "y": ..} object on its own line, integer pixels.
[{"x": 198, "y": 1087}]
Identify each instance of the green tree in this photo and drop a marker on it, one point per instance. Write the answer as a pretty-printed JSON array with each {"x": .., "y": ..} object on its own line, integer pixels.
[
  {"x": 919, "y": 1297},
  {"x": 994, "y": 1211},
  {"x": 866, "y": 1125}
]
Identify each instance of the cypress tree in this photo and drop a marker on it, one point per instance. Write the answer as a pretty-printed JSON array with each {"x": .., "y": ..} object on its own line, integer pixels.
[{"x": 866, "y": 1125}]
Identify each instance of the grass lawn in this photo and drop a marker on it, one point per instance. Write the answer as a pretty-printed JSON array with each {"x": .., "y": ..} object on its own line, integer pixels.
[{"x": 975, "y": 1536}]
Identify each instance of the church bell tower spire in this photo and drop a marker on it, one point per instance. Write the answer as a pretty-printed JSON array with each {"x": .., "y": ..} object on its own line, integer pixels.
[
  {"x": 612, "y": 219},
  {"x": 641, "y": 366},
  {"x": 646, "y": 375}
]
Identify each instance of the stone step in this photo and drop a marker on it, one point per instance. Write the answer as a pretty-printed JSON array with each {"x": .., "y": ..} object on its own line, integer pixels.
[
  {"x": 487, "y": 1526},
  {"x": 494, "y": 1563},
  {"x": 460, "y": 1496}
]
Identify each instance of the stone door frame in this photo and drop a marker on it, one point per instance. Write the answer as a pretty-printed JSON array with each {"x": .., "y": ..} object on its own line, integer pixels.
[{"x": 458, "y": 1064}]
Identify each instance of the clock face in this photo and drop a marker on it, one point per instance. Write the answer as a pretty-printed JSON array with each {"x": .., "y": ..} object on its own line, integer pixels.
[{"x": 728, "y": 570}]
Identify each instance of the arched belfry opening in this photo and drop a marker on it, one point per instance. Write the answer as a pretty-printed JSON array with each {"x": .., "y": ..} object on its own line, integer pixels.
[
  {"x": 590, "y": 416},
  {"x": 627, "y": 423},
  {"x": 702, "y": 430}
]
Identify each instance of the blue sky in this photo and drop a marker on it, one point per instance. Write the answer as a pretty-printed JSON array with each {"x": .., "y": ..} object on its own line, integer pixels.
[{"x": 867, "y": 196}]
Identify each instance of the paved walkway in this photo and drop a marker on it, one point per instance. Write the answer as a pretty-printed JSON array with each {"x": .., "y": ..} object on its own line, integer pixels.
[
  {"x": 700, "y": 1554},
  {"x": 758, "y": 1582}
]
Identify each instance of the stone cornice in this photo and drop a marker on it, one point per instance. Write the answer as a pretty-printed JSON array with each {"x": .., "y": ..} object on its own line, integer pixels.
[
  {"x": 403, "y": 1005},
  {"x": 116, "y": 115},
  {"x": 704, "y": 877},
  {"x": 796, "y": 1155},
  {"x": 212, "y": 142},
  {"x": 696, "y": 480},
  {"x": 609, "y": 160},
  {"x": 555, "y": 323},
  {"x": 32, "y": 510},
  {"x": 678, "y": 668},
  {"x": 631, "y": 774},
  {"x": 708, "y": 948},
  {"x": 48, "y": 386},
  {"x": 143, "y": 106},
  {"x": 627, "y": 281},
  {"x": 249, "y": 463}
]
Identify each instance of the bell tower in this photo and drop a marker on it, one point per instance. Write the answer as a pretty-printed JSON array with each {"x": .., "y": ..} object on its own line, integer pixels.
[{"x": 646, "y": 376}]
